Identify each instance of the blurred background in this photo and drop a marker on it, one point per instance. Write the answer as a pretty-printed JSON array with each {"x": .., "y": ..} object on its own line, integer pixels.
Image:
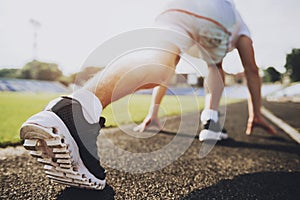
[
  {"x": 65, "y": 32},
  {"x": 43, "y": 45}
]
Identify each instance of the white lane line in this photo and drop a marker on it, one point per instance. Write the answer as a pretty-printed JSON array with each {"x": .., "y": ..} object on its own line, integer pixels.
[{"x": 292, "y": 132}]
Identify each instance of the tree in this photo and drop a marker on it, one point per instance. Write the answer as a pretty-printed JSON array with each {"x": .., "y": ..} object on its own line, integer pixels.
[
  {"x": 9, "y": 73},
  {"x": 293, "y": 65},
  {"x": 271, "y": 75},
  {"x": 40, "y": 71}
]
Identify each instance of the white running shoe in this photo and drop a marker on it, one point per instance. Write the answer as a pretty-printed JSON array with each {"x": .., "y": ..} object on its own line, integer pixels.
[
  {"x": 65, "y": 143},
  {"x": 212, "y": 131}
]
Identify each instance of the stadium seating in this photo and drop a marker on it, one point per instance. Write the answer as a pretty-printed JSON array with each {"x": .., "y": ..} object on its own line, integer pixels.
[{"x": 23, "y": 85}]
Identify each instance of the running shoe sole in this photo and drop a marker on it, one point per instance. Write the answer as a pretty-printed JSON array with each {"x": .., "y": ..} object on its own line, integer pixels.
[{"x": 48, "y": 139}]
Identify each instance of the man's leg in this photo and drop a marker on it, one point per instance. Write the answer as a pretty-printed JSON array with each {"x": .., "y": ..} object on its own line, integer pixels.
[
  {"x": 64, "y": 135},
  {"x": 214, "y": 86},
  {"x": 129, "y": 74}
]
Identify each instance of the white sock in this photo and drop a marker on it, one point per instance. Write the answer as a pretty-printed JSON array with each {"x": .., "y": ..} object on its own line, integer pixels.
[
  {"x": 92, "y": 107},
  {"x": 208, "y": 114}
]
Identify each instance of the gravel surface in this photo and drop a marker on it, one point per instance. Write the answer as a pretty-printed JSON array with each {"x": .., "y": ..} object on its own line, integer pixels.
[{"x": 260, "y": 166}]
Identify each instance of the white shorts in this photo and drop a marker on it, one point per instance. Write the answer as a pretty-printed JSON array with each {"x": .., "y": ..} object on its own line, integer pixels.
[{"x": 203, "y": 37}]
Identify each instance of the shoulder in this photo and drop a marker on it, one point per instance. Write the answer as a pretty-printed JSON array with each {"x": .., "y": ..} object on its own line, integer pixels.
[{"x": 241, "y": 27}]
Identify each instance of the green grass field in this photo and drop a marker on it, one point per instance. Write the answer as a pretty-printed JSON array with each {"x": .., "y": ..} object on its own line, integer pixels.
[{"x": 15, "y": 108}]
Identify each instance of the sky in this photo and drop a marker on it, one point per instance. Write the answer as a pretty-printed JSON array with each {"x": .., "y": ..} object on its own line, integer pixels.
[{"x": 70, "y": 30}]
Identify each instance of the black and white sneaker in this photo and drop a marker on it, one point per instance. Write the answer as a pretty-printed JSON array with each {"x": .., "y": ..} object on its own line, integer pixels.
[
  {"x": 65, "y": 143},
  {"x": 212, "y": 131}
]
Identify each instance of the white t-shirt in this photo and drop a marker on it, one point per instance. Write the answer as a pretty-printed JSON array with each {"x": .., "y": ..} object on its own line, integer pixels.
[
  {"x": 239, "y": 29},
  {"x": 222, "y": 11},
  {"x": 219, "y": 10}
]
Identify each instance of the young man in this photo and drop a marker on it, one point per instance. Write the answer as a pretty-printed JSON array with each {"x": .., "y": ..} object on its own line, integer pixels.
[
  {"x": 63, "y": 136},
  {"x": 207, "y": 16}
]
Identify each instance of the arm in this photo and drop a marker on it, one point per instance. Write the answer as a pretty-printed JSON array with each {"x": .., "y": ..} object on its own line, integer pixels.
[
  {"x": 246, "y": 52},
  {"x": 157, "y": 96},
  {"x": 152, "y": 117}
]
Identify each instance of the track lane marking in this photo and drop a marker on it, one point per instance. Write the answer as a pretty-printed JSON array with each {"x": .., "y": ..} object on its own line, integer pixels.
[{"x": 292, "y": 132}]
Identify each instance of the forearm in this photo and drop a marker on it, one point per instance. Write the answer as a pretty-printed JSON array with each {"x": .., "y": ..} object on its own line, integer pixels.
[
  {"x": 246, "y": 52},
  {"x": 254, "y": 86},
  {"x": 157, "y": 96}
]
